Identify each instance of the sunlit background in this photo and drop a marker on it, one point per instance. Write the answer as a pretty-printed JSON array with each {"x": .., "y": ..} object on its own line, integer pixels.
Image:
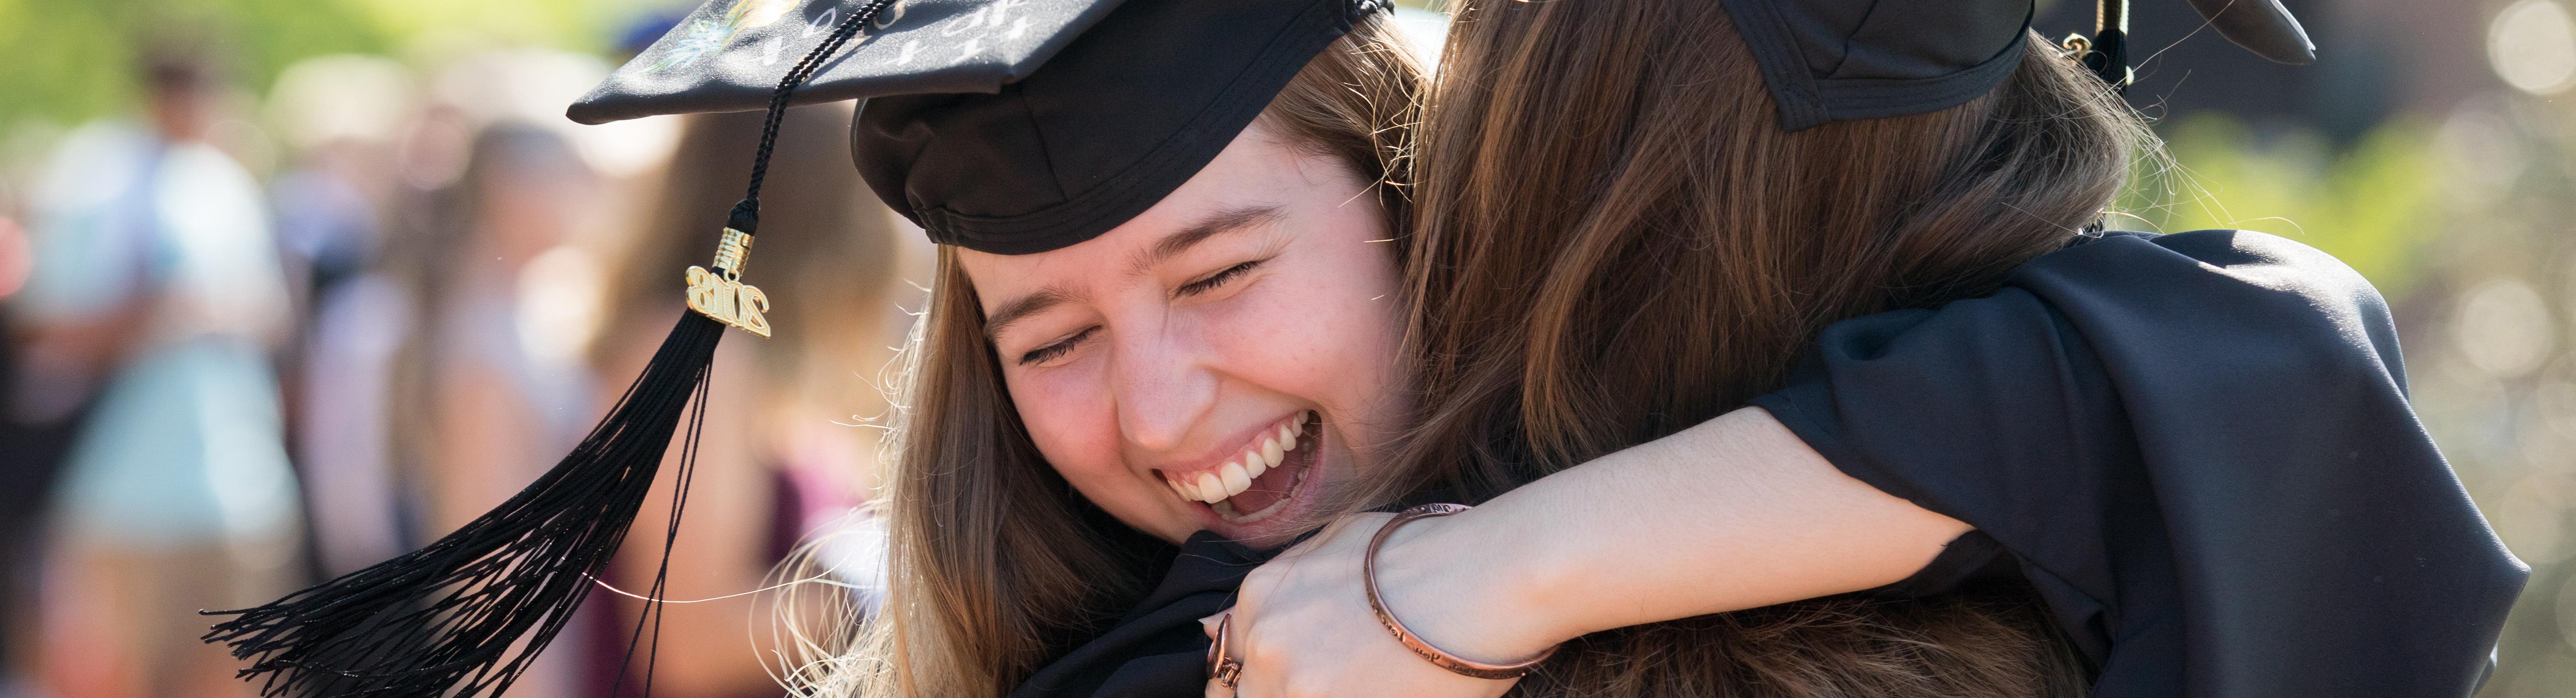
[{"x": 417, "y": 277}]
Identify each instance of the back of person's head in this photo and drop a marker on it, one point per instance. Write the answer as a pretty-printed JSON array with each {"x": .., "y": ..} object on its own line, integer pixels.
[
  {"x": 1624, "y": 254},
  {"x": 1616, "y": 239},
  {"x": 176, "y": 67},
  {"x": 180, "y": 77},
  {"x": 524, "y": 190}
]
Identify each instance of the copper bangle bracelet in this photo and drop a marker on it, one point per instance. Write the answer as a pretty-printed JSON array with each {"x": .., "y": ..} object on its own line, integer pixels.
[{"x": 1442, "y": 659}]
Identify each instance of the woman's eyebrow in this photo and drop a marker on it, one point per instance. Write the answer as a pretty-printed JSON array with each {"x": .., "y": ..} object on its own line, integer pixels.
[
  {"x": 1211, "y": 225},
  {"x": 1022, "y": 308}
]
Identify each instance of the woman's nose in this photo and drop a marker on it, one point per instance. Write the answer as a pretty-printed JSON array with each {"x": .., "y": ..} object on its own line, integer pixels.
[{"x": 1162, "y": 388}]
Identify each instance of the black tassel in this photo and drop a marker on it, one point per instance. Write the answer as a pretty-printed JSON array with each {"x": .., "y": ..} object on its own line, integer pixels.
[
  {"x": 449, "y": 619},
  {"x": 446, "y": 616}
]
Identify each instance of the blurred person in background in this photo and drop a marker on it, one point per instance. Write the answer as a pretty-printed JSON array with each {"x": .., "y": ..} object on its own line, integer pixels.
[
  {"x": 486, "y": 403},
  {"x": 340, "y": 114},
  {"x": 14, "y": 261},
  {"x": 157, "y": 294},
  {"x": 484, "y": 394},
  {"x": 28, "y": 455},
  {"x": 783, "y": 450}
]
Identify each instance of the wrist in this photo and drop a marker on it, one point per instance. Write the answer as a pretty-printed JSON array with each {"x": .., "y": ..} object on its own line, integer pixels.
[{"x": 1465, "y": 584}]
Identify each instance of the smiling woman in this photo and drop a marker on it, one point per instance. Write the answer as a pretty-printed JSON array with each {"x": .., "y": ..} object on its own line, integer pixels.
[
  {"x": 1212, "y": 327},
  {"x": 1072, "y": 414}
]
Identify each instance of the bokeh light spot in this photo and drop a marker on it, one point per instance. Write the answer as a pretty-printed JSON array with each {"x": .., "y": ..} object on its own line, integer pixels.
[
  {"x": 2567, "y": 611},
  {"x": 2531, "y": 517},
  {"x": 2504, "y": 328},
  {"x": 2483, "y": 156},
  {"x": 2532, "y": 47}
]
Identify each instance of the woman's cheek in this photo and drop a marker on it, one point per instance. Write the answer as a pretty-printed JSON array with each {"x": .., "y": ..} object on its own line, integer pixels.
[
  {"x": 1069, "y": 419},
  {"x": 1280, "y": 338},
  {"x": 1059, "y": 410}
]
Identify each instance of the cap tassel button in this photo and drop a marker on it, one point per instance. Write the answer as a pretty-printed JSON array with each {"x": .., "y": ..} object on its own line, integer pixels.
[{"x": 725, "y": 297}]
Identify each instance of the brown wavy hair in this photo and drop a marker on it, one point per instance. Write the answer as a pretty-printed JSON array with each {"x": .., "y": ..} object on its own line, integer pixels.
[
  {"x": 1615, "y": 240},
  {"x": 995, "y": 564}
]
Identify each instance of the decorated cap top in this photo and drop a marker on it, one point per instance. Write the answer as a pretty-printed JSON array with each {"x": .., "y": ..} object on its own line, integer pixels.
[{"x": 1006, "y": 126}]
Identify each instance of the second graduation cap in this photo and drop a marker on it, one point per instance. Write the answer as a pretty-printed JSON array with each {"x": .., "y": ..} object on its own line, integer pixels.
[{"x": 1839, "y": 60}]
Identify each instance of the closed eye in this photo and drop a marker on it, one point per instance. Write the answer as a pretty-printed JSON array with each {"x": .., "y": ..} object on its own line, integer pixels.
[
  {"x": 1053, "y": 351},
  {"x": 1216, "y": 280}
]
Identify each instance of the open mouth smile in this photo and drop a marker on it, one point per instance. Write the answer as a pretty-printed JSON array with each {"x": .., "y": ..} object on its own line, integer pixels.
[{"x": 1257, "y": 484}]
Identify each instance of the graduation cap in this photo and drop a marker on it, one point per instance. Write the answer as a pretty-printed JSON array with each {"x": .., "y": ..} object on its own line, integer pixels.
[
  {"x": 1009, "y": 126},
  {"x": 1837, "y": 60}
]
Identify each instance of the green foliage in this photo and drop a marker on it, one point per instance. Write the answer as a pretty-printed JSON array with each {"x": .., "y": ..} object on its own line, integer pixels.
[
  {"x": 262, "y": 37},
  {"x": 2371, "y": 206},
  {"x": 73, "y": 60},
  {"x": 66, "y": 59},
  {"x": 575, "y": 25}
]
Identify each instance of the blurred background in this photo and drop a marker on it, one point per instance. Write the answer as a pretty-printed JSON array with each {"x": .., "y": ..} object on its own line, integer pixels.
[{"x": 291, "y": 286}]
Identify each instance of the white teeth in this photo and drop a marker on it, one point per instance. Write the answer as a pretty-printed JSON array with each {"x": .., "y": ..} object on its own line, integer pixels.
[
  {"x": 1210, "y": 489},
  {"x": 1215, "y": 486},
  {"x": 1236, "y": 479},
  {"x": 1225, "y": 509}
]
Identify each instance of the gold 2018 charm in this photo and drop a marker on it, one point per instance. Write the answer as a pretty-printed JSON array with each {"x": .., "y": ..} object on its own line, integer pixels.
[{"x": 724, "y": 297}]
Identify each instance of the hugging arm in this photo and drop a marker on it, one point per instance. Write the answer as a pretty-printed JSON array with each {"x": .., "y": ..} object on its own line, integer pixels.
[
  {"x": 1729, "y": 514},
  {"x": 2196, "y": 446}
]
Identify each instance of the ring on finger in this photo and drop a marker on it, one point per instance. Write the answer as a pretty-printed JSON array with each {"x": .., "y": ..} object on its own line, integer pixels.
[{"x": 1222, "y": 667}]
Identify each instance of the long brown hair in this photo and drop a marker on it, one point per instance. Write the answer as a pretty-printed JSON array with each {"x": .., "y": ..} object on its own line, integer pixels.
[
  {"x": 995, "y": 563},
  {"x": 1602, "y": 261}
]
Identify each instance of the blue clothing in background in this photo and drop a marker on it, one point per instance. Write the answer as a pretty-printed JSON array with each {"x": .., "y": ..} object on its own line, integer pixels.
[{"x": 185, "y": 443}]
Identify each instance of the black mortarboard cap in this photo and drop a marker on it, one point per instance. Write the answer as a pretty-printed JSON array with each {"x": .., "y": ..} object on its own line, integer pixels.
[
  {"x": 1836, "y": 60},
  {"x": 1009, "y": 126},
  {"x": 964, "y": 133}
]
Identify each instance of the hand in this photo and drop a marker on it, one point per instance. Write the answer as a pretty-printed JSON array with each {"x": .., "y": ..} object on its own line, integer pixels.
[{"x": 1302, "y": 627}]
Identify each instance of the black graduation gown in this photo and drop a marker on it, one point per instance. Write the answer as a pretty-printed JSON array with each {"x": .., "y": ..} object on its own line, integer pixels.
[
  {"x": 1157, "y": 650},
  {"x": 2196, "y": 447}
]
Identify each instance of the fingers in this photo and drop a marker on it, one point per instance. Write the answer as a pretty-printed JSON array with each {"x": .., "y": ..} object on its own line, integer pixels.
[{"x": 1292, "y": 621}]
